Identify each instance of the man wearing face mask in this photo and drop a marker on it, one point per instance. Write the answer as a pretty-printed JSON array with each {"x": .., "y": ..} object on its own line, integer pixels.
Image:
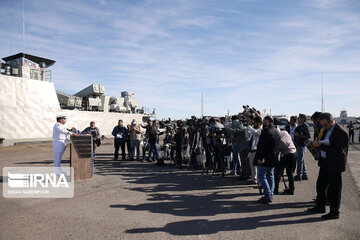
[{"x": 334, "y": 149}]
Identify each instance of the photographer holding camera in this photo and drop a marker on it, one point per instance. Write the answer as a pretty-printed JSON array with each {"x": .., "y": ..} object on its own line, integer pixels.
[
  {"x": 239, "y": 144},
  {"x": 216, "y": 134},
  {"x": 169, "y": 143},
  {"x": 254, "y": 129},
  {"x": 152, "y": 134},
  {"x": 179, "y": 141},
  {"x": 135, "y": 137}
]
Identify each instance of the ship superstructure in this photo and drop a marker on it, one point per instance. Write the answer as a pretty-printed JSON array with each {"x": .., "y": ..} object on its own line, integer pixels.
[{"x": 29, "y": 102}]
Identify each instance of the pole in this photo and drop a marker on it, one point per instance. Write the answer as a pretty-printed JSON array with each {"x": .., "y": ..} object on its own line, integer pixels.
[
  {"x": 322, "y": 94},
  {"x": 23, "y": 28},
  {"x": 11, "y": 27},
  {"x": 202, "y": 105}
]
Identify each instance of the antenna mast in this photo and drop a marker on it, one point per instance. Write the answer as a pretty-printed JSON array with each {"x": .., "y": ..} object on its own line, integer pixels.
[
  {"x": 202, "y": 105},
  {"x": 11, "y": 27},
  {"x": 23, "y": 28},
  {"x": 322, "y": 94}
]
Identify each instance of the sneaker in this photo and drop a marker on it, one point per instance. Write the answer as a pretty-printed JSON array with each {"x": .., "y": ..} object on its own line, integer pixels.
[
  {"x": 297, "y": 178},
  {"x": 305, "y": 178},
  {"x": 330, "y": 216},
  {"x": 316, "y": 209},
  {"x": 264, "y": 200}
]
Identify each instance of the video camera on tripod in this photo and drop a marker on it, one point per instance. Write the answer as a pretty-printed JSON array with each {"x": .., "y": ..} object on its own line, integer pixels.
[{"x": 250, "y": 111}]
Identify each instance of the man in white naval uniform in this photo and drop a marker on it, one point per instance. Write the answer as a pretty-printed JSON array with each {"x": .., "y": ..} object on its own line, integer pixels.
[{"x": 60, "y": 134}]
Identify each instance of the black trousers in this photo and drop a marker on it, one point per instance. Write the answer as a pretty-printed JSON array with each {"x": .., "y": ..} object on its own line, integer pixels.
[
  {"x": 329, "y": 187},
  {"x": 351, "y": 136},
  {"x": 128, "y": 145},
  {"x": 217, "y": 157},
  {"x": 178, "y": 150},
  {"x": 286, "y": 162},
  {"x": 245, "y": 165},
  {"x": 209, "y": 158},
  {"x": 117, "y": 145}
]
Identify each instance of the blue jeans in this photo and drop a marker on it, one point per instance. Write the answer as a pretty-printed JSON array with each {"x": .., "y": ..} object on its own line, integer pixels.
[
  {"x": 154, "y": 148},
  {"x": 301, "y": 168},
  {"x": 236, "y": 159},
  {"x": 265, "y": 176}
]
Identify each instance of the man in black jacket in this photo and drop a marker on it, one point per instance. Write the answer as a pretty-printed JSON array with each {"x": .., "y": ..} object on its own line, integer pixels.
[
  {"x": 334, "y": 149},
  {"x": 302, "y": 134},
  {"x": 120, "y": 132},
  {"x": 94, "y": 131},
  {"x": 351, "y": 128},
  {"x": 152, "y": 133},
  {"x": 266, "y": 158}
]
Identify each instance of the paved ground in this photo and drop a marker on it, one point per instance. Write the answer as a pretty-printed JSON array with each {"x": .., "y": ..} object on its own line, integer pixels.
[{"x": 132, "y": 200}]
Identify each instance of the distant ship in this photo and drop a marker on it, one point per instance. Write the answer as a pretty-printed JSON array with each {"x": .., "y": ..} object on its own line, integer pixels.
[{"x": 29, "y": 103}]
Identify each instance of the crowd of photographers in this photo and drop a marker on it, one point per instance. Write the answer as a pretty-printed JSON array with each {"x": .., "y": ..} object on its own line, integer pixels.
[{"x": 251, "y": 147}]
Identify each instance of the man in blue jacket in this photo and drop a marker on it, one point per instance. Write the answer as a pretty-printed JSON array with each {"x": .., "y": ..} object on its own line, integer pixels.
[{"x": 120, "y": 133}]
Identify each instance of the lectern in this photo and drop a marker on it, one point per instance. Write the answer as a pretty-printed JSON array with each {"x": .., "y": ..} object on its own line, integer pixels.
[{"x": 80, "y": 156}]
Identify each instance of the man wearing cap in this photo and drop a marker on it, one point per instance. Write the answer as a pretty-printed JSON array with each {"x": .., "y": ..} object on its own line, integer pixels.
[
  {"x": 135, "y": 137},
  {"x": 301, "y": 134},
  {"x": 60, "y": 135}
]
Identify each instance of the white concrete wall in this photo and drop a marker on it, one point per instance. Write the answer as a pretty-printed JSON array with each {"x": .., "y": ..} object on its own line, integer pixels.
[{"x": 28, "y": 109}]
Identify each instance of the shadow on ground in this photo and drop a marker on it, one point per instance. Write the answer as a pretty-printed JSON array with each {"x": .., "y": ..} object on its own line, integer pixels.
[
  {"x": 204, "y": 226},
  {"x": 183, "y": 193}
]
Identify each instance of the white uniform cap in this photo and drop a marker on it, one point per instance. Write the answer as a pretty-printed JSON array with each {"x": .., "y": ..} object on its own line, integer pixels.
[{"x": 60, "y": 116}]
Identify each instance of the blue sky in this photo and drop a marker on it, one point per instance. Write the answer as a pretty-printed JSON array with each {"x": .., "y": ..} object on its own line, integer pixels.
[{"x": 267, "y": 54}]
